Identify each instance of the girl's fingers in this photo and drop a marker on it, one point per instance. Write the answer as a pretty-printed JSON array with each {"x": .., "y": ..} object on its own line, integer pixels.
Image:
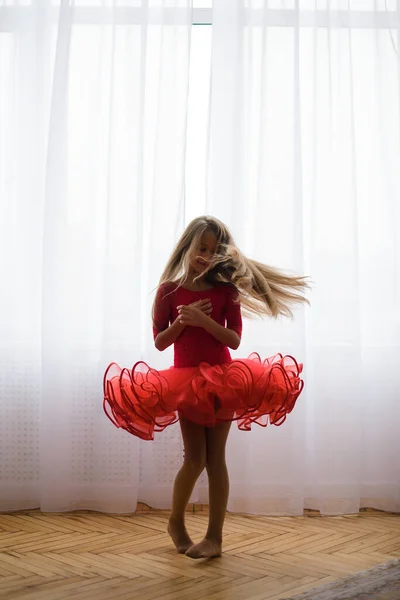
[
  {"x": 198, "y": 303},
  {"x": 205, "y": 304},
  {"x": 185, "y": 312}
]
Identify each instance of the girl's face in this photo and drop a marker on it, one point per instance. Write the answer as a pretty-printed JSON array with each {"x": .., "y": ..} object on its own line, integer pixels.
[{"x": 204, "y": 252}]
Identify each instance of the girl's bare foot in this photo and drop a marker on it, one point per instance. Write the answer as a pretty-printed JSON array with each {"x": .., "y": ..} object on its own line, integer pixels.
[
  {"x": 179, "y": 535},
  {"x": 205, "y": 549}
]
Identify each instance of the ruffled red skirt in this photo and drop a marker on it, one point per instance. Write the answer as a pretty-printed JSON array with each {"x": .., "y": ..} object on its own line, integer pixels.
[{"x": 143, "y": 400}]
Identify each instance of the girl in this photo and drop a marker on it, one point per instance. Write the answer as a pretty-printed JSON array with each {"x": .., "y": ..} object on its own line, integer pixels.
[{"x": 198, "y": 309}]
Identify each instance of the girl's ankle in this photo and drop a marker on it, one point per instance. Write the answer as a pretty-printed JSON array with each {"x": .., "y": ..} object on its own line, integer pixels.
[
  {"x": 176, "y": 519},
  {"x": 214, "y": 538}
]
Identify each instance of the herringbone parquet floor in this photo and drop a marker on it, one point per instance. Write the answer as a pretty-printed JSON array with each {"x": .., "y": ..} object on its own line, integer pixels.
[{"x": 91, "y": 556}]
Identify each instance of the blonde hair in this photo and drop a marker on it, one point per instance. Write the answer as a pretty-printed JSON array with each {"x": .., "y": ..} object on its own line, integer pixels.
[{"x": 262, "y": 290}]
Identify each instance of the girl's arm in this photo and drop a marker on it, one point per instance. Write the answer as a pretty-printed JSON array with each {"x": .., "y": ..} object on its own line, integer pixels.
[
  {"x": 194, "y": 317},
  {"x": 231, "y": 334},
  {"x": 189, "y": 315},
  {"x": 164, "y": 334},
  {"x": 165, "y": 338},
  {"x": 226, "y": 336}
]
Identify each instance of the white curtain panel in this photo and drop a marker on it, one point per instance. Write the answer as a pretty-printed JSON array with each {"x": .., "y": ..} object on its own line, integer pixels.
[
  {"x": 293, "y": 141},
  {"x": 93, "y": 110},
  {"x": 305, "y": 166}
]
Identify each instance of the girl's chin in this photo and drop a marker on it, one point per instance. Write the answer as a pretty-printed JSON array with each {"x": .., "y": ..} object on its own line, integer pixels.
[{"x": 198, "y": 267}]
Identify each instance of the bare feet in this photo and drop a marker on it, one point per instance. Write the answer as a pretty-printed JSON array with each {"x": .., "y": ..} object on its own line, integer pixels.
[
  {"x": 179, "y": 535},
  {"x": 205, "y": 549}
]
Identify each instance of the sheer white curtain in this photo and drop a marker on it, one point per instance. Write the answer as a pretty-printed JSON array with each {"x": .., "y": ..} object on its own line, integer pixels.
[
  {"x": 294, "y": 143},
  {"x": 92, "y": 138},
  {"x": 305, "y": 167}
]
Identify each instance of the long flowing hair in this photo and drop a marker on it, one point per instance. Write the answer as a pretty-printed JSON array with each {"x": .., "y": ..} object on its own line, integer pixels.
[{"x": 262, "y": 290}]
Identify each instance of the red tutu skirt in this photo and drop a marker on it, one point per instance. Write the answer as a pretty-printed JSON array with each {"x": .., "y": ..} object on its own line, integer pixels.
[{"x": 143, "y": 400}]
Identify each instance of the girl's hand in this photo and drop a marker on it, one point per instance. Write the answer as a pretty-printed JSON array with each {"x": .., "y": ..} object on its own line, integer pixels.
[
  {"x": 204, "y": 305},
  {"x": 192, "y": 316}
]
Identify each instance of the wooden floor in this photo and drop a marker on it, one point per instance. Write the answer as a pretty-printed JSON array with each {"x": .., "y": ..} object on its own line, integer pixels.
[{"x": 85, "y": 556}]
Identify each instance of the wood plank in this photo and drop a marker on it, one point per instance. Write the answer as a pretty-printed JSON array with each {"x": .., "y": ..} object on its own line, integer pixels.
[{"x": 93, "y": 556}]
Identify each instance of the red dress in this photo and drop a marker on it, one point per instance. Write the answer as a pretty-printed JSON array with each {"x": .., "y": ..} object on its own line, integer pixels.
[{"x": 205, "y": 384}]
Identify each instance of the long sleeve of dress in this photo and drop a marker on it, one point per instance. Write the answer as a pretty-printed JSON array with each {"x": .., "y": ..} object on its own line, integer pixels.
[
  {"x": 162, "y": 309},
  {"x": 233, "y": 312}
]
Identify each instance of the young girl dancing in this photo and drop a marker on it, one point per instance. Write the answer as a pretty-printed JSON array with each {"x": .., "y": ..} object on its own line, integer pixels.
[{"x": 198, "y": 309}]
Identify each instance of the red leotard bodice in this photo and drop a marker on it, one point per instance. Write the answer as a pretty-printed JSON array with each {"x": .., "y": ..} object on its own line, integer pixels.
[{"x": 195, "y": 345}]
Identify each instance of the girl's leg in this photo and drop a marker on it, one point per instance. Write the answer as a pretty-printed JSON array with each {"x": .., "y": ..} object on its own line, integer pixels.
[
  {"x": 194, "y": 442},
  {"x": 218, "y": 480}
]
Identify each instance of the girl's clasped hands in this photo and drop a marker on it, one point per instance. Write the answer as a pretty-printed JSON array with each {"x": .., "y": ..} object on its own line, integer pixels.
[{"x": 195, "y": 314}]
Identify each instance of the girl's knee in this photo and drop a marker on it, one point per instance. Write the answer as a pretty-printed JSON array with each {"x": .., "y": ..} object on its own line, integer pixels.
[
  {"x": 215, "y": 462},
  {"x": 196, "y": 462}
]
